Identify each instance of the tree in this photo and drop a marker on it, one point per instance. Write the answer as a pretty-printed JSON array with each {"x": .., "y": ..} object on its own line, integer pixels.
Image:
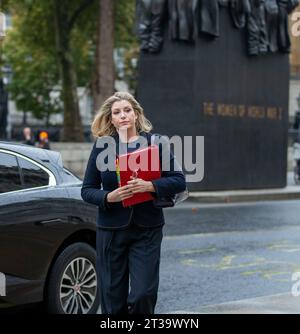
[
  {"x": 64, "y": 20},
  {"x": 42, "y": 50},
  {"x": 34, "y": 72},
  {"x": 55, "y": 44},
  {"x": 115, "y": 23},
  {"x": 104, "y": 76}
]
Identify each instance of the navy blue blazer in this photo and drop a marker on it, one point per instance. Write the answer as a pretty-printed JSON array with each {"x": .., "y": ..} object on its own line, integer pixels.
[{"x": 97, "y": 184}]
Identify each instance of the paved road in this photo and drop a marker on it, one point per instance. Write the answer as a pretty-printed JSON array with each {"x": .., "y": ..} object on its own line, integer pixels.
[
  {"x": 219, "y": 253},
  {"x": 213, "y": 254}
]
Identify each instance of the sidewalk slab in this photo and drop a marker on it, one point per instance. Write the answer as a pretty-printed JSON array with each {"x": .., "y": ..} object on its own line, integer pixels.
[
  {"x": 245, "y": 195},
  {"x": 284, "y": 303},
  {"x": 292, "y": 191}
]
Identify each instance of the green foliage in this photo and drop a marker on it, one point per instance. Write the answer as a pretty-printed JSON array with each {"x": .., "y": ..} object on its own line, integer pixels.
[
  {"x": 124, "y": 24},
  {"x": 126, "y": 39},
  {"x": 83, "y": 40},
  {"x": 30, "y": 49},
  {"x": 33, "y": 65}
]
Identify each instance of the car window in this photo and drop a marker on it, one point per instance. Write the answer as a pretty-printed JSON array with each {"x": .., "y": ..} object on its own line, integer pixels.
[
  {"x": 10, "y": 178},
  {"x": 33, "y": 175}
]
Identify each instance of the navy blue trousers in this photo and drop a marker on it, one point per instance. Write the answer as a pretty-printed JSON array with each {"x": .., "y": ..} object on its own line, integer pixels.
[{"x": 128, "y": 269}]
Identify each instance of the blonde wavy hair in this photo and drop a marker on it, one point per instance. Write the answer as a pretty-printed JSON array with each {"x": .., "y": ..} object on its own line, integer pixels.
[{"x": 102, "y": 125}]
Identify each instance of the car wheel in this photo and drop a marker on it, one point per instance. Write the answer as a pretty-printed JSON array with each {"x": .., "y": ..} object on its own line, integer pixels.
[{"x": 72, "y": 286}]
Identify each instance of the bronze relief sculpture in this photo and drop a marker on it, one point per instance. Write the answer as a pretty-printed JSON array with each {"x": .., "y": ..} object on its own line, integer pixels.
[{"x": 265, "y": 22}]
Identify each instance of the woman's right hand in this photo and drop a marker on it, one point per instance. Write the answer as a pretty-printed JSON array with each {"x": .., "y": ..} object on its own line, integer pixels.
[{"x": 119, "y": 194}]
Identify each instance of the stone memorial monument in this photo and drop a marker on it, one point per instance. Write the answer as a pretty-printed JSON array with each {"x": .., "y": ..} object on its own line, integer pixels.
[{"x": 220, "y": 69}]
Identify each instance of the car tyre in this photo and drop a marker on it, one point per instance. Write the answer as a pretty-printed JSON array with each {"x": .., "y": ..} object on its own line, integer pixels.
[{"x": 72, "y": 285}]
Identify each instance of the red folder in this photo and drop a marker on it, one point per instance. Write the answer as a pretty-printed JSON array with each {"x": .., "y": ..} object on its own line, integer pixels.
[{"x": 142, "y": 163}]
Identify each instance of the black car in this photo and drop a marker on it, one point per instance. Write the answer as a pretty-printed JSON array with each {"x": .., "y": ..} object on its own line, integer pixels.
[{"x": 47, "y": 233}]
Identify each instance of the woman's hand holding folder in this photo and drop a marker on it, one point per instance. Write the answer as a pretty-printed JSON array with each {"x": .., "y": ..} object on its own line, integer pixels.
[
  {"x": 140, "y": 186},
  {"x": 119, "y": 194},
  {"x": 134, "y": 186}
]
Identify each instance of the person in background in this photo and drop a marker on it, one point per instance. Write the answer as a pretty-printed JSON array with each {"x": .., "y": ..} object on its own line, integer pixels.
[
  {"x": 28, "y": 139},
  {"x": 43, "y": 140}
]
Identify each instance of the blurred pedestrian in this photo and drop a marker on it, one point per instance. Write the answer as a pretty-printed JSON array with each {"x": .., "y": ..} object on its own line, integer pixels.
[
  {"x": 28, "y": 139},
  {"x": 43, "y": 140}
]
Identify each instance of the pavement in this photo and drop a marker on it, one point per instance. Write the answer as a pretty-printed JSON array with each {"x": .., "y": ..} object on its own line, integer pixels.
[
  {"x": 291, "y": 191},
  {"x": 284, "y": 303}
]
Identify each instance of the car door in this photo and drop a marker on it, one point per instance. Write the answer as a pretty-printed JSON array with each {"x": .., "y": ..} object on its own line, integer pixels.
[{"x": 33, "y": 217}]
